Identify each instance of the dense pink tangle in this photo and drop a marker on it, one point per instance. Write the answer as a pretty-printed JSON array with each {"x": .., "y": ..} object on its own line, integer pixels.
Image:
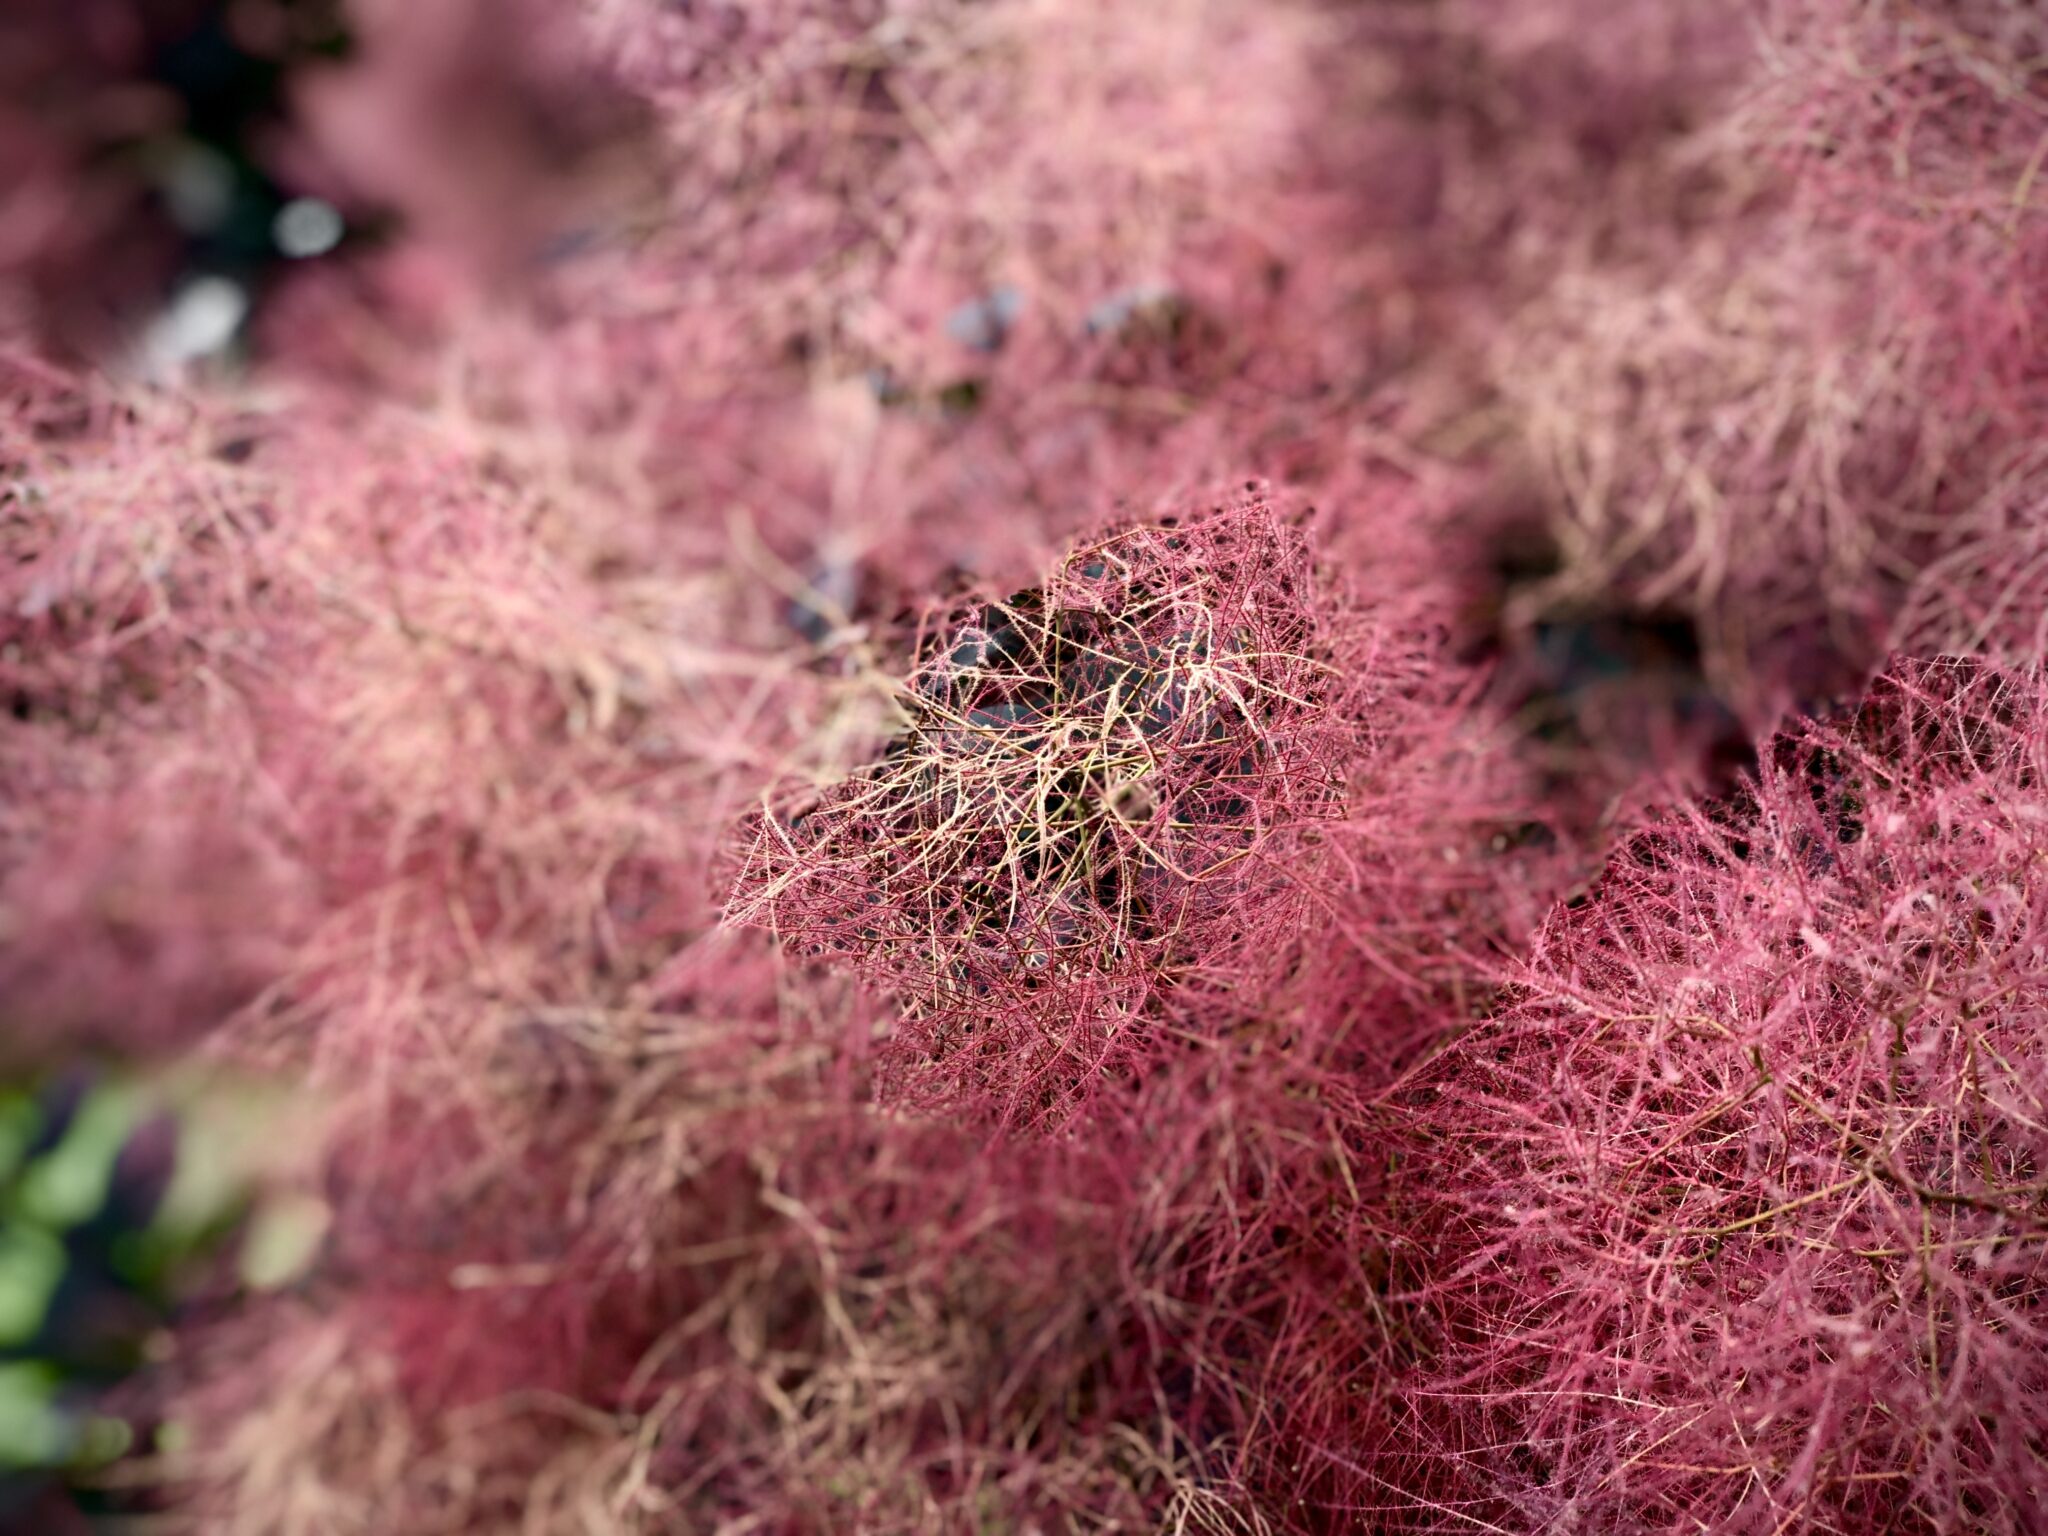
[
  {"x": 856, "y": 978},
  {"x": 1735, "y": 1214},
  {"x": 1083, "y": 802}
]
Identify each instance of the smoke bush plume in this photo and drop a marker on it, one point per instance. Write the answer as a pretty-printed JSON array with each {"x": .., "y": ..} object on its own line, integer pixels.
[
  {"x": 1200, "y": 1114},
  {"x": 1733, "y": 1216},
  {"x": 1095, "y": 787}
]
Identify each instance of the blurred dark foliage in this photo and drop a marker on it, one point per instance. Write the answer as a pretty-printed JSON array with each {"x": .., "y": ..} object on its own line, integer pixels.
[
  {"x": 86, "y": 1289},
  {"x": 143, "y": 144},
  {"x": 1599, "y": 677},
  {"x": 163, "y": 163}
]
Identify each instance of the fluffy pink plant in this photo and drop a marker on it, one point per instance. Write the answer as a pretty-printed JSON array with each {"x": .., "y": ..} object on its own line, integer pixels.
[
  {"x": 1760, "y": 332},
  {"x": 113, "y": 503},
  {"x": 1746, "y": 458},
  {"x": 1916, "y": 136},
  {"x": 145, "y": 916},
  {"x": 1732, "y": 1219},
  {"x": 1227, "y": 1085},
  {"x": 912, "y": 277},
  {"x": 501, "y": 684},
  {"x": 573, "y": 1170},
  {"x": 1257, "y": 1266},
  {"x": 674, "y": 1267},
  {"x": 1983, "y": 594},
  {"x": 1469, "y": 151},
  {"x": 1537, "y": 320},
  {"x": 1090, "y": 800},
  {"x": 146, "y": 887},
  {"x": 490, "y": 131},
  {"x": 1920, "y": 131},
  {"x": 621, "y": 1236}
]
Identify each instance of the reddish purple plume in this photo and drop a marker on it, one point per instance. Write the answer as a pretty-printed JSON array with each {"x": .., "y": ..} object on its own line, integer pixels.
[
  {"x": 1081, "y": 810},
  {"x": 1734, "y": 1216}
]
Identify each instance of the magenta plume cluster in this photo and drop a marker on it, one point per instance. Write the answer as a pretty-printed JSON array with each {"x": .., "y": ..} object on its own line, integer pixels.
[
  {"x": 1084, "y": 805},
  {"x": 1736, "y": 1213}
]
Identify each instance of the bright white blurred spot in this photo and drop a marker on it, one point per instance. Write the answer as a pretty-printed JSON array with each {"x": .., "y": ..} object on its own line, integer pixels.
[
  {"x": 306, "y": 226},
  {"x": 198, "y": 323}
]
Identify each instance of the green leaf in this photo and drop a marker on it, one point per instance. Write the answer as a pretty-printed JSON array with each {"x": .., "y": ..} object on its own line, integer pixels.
[
  {"x": 34, "y": 1431},
  {"x": 31, "y": 1266},
  {"x": 18, "y": 1120},
  {"x": 66, "y": 1186},
  {"x": 284, "y": 1236}
]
